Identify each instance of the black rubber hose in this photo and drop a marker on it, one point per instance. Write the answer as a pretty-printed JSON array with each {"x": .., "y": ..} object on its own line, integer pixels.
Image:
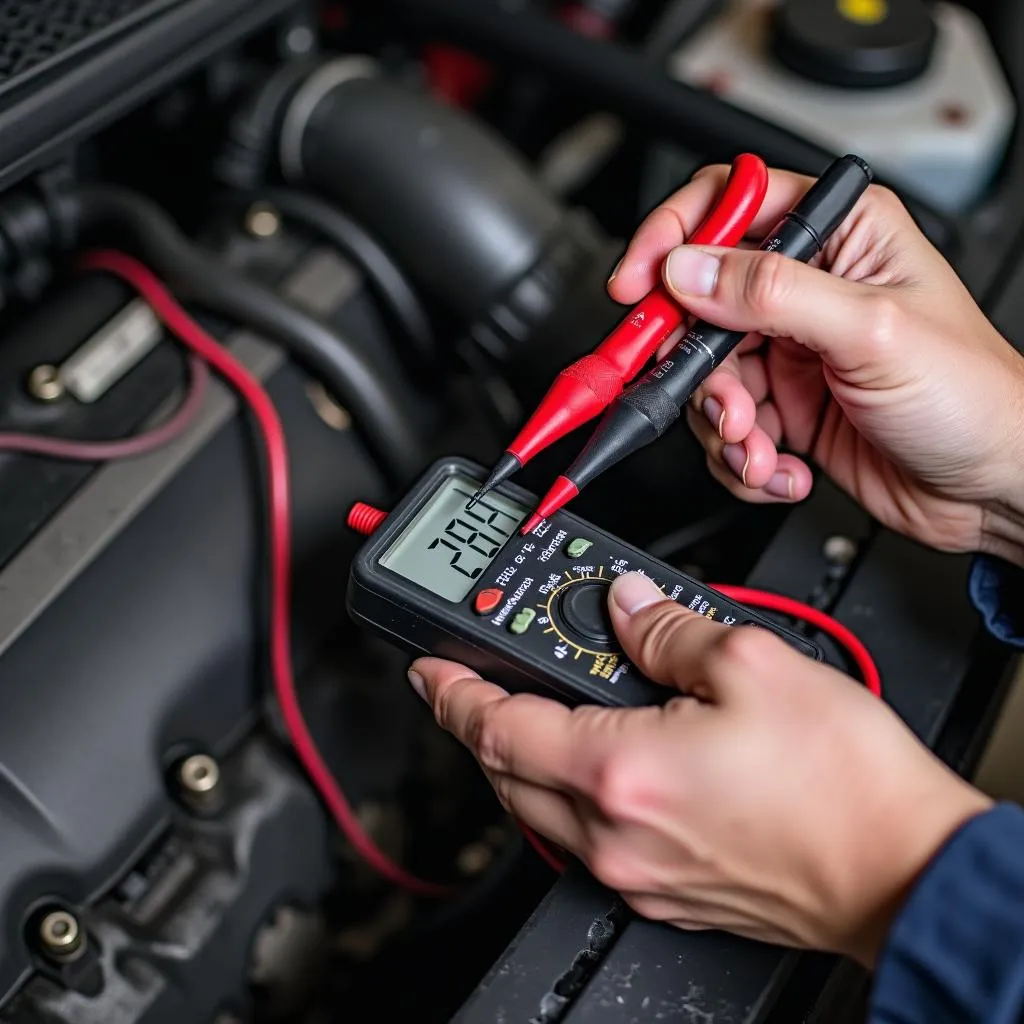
[
  {"x": 461, "y": 210},
  {"x": 625, "y": 82},
  {"x": 194, "y": 274},
  {"x": 384, "y": 275}
]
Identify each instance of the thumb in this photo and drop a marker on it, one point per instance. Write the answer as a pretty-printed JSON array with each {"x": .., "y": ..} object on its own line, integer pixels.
[
  {"x": 669, "y": 643},
  {"x": 846, "y": 322}
]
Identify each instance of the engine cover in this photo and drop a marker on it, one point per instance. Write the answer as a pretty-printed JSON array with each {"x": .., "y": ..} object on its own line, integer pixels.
[{"x": 131, "y": 636}]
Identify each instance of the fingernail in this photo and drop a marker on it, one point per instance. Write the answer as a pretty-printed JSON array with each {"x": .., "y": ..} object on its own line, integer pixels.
[
  {"x": 692, "y": 271},
  {"x": 417, "y": 683},
  {"x": 715, "y": 412},
  {"x": 736, "y": 458},
  {"x": 635, "y": 591},
  {"x": 615, "y": 272},
  {"x": 780, "y": 486}
]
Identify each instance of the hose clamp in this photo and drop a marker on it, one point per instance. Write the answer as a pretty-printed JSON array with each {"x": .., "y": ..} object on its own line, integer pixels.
[{"x": 306, "y": 100}]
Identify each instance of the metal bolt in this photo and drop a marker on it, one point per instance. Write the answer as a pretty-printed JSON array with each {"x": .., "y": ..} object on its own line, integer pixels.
[
  {"x": 199, "y": 775},
  {"x": 60, "y": 934},
  {"x": 299, "y": 40},
  {"x": 474, "y": 858},
  {"x": 262, "y": 220},
  {"x": 840, "y": 550},
  {"x": 44, "y": 383}
]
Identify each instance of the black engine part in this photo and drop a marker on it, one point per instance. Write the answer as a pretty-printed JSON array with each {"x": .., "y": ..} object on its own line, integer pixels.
[
  {"x": 419, "y": 170},
  {"x": 855, "y": 44},
  {"x": 170, "y": 941}
]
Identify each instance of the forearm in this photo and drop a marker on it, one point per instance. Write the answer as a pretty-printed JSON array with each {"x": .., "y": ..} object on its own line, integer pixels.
[{"x": 956, "y": 952}]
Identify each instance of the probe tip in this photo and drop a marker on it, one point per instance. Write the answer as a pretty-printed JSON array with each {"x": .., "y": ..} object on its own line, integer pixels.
[
  {"x": 532, "y": 523},
  {"x": 503, "y": 469},
  {"x": 563, "y": 490}
]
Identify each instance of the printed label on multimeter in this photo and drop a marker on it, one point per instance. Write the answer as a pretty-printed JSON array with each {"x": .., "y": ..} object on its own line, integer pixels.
[{"x": 450, "y": 577}]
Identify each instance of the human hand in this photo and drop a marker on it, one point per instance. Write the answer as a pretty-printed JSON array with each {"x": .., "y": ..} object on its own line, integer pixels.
[
  {"x": 880, "y": 367},
  {"x": 774, "y": 797}
]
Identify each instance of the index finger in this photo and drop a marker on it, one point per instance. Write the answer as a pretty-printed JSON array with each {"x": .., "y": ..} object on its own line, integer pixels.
[
  {"x": 523, "y": 735},
  {"x": 679, "y": 216}
]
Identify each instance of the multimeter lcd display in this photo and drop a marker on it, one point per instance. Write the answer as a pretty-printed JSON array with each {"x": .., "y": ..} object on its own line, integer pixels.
[{"x": 447, "y": 547}]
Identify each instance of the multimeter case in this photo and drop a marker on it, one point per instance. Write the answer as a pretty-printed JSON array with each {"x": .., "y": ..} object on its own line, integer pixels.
[{"x": 408, "y": 616}]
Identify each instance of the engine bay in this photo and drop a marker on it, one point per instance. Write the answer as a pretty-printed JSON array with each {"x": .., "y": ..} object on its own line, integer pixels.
[{"x": 397, "y": 219}]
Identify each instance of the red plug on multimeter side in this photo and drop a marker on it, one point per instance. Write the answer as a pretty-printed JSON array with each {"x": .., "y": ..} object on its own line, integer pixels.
[{"x": 587, "y": 387}]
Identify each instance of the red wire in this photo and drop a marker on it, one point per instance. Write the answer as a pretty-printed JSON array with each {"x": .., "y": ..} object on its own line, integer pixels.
[
  {"x": 776, "y": 603},
  {"x": 542, "y": 849},
  {"x": 199, "y": 341},
  {"x": 76, "y": 450},
  {"x": 869, "y": 673},
  {"x": 252, "y": 392}
]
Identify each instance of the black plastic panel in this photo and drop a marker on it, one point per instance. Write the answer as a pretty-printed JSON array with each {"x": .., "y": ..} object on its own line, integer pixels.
[
  {"x": 157, "y": 643},
  {"x": 35, "y": 37},
  {"x": 174, "y": 941},
  {"x": 77, "y": 78}
]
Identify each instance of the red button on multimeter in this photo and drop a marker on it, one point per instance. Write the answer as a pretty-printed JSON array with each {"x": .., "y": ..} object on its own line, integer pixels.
[
  {"x": 447, "y": 576},
  {"x": 487, "y": 600}
]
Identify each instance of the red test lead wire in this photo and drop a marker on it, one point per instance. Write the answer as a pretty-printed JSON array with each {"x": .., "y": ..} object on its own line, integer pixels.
[
  {"x": 588, "y": 386},
  {"x": 251, "y": 391}
]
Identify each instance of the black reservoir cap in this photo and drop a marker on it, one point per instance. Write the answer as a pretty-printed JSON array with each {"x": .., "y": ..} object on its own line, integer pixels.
[{"x": 854, "y": 44}]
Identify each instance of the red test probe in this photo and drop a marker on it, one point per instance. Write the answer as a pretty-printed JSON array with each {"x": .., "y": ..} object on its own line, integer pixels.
[{"x": 588, "y": 386}]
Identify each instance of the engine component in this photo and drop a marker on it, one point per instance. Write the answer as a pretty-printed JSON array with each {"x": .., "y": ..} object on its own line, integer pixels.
[
  {"x": 119, "y": 558},
  {"x": 941, "y": 135},
  {"x": 69, "y": 68},
  {"x": 172, "y": 938},
  {"x": 380, "y": 412},
  {"x": 625, "y": 83},
  {"x": 353, "y": 134},
  {"x": 856, "y": 44}
]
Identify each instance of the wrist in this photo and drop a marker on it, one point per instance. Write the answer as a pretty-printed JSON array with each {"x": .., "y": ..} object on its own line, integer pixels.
[
  {"x": 1002, "y": 530},
  {"x": 936, "y": 822},
  {"x": 1002, "y": 526}
]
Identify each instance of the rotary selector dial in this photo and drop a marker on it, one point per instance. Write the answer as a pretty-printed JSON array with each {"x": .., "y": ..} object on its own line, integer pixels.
[
  {"x": 583, "y": 609},
  {"x": 575, "y": 616}
]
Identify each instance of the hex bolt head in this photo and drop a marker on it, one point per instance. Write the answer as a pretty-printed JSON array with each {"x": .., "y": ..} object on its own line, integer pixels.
[
  {"x": 840, "y": 550},
  {"x": 262, "y": 220},
  {"x": 44, "y": 383},
  {"x": 199, "y": 776},
  {"x": 60, "y": 934}
]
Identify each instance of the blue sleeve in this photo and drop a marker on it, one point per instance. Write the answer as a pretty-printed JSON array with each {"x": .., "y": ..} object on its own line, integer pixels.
[
  {"x": 956, "y": 953},
  {"x": 996, "y": 589}
]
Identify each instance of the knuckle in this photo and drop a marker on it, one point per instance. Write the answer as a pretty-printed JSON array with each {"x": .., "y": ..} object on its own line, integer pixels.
[
  {"x": 502, "y": 785},
  {"x": 741, "y": 651},
  {"x": 664, "y": 620},
  {"x": 882, "y": 322},
  {"x": 620, "y": 788},
  {"x": 653, "y": 908},
  {"x": 710, "y": 170},
  {"x": 884, "y": 201},
  {"x": 488, "y": 736},
  {"x": 444, "y": 702},
  {"x": 613, "y": 866},
  {"x": 769, "y": 283}
]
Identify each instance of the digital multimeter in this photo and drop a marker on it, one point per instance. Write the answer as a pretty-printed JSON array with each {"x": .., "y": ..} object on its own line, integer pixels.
[{"x": 443, "y": 576}]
